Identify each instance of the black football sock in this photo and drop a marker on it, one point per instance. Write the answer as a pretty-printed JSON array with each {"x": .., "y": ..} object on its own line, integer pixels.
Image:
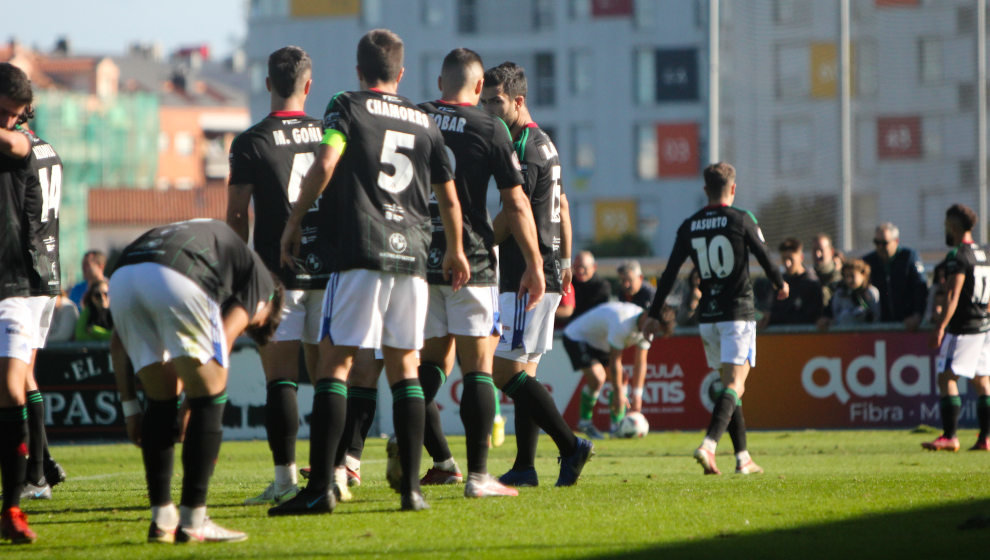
[
  {"x": 326, "y": 428},
  {"x": 361, "y": 405},
  {"x": 158, "y": 448},
  {"x": 724, "y": 407},
  {"x": 983, "y": 415},
  {"x": 408, "y": 418},
  {"x": 434, "y": 439},
  {"x": 544, "y": 412},
  {"x": 950, "y": 407},
  {"x": 431, "y": 378},
  {"x": 37, "y": 440},
  {"x": 201, "y": 447},
  {"x": 282, "y": 420},
  {"x": 527, "y": 432},
  {"x": 478, "y": 415},
  {"x": 13, "y": 453},
  {"x": 737, "y": 428}
]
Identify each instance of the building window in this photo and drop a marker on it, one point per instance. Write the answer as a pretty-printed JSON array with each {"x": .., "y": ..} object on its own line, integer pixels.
[
  {"x": 644, "y": 72},
  {"x": 580, "y": 74},
  {"x": 579, "y": 9},
  {"x": 793, "y": 76},
  {"x": 162, "y": 142},
  {"x": 584, "y": 149},
  {"x": 433, "y": 12},
  {"x": 432, "y": 64},
  {"x": 644, "y": 14},
  {"x": 794, "y": 146},
  {"x": 371, "y": 12},
  {"x": 543, "y": 14},
  {"x": 791, "y": 12},
  {"x": 544, "y": 93},
  {"x": 930, "y": 60},
  {"x": 467, "y": 16},
  {"x": 647, "y": 163},
  {"x": 184, "y": 143}
]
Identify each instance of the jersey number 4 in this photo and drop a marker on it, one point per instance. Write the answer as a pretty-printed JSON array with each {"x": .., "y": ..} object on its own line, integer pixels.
[
  {"x": 714, "y": 256},
  {"x": 51, "y": 190}
]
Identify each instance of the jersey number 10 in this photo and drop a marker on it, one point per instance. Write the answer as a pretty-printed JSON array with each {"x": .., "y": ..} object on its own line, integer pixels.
[{"x": 714, "y": 256}]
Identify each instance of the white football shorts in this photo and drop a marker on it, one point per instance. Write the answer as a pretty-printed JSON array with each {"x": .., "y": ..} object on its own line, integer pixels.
[
  {"x": 301, "y": 317},
  {"x": 371, "y": 309},
  {"x": 161, "y": 314},
  {"x": 43, "y": 308},
  {"x": 966, "y": 355},
  {"x": 526, "y": 335},
  {"x": 470, "y": 311},
  {"x": 729, "y": 342},
  {"x": 18, "y": 328}
]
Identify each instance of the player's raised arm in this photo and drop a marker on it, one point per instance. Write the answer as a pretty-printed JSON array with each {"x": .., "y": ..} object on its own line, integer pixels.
[
  {"x": 653, "y": 323},
  {"x": 757, "y": 245},
  {"x": 455, "y": 264},
  {"x": 312, "y": 186}
]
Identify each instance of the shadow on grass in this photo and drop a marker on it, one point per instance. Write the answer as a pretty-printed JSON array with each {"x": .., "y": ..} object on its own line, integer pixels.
[{"x": 958, "y": 530}]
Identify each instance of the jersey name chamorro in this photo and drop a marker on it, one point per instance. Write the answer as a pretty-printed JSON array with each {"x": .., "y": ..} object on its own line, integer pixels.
[
  {"x": 479, "y": 148},
  {"x": 971, "y": 314},
  {"x": 273, "y": 156},
  {"x": 541, "y": 181},
  {"x": 719, "y": 240},
  {"x": 378, "y": 195}
]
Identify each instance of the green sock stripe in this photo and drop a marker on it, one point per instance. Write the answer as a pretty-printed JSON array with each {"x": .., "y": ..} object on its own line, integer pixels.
[
  {"x": 35, "y": 397},
  {"x": 479, "y": 378},
  {"x": 732, "y": 392},
  {"x": 413, "y": 392},
  {"x": 221, "y": 398},
  {"x": 438, "y": 369},
  {"x": 515, "y": 384},
  {"x": 984, "y": 401},
  {"x": 362, "y": 393},
  {"x": 292, "y": 384},
  {"x": 952, "y": 400},
  {"x": 333, "y": 386},
  {"x": 738, "y": 401},
  {"x": 13, "y": 414}
]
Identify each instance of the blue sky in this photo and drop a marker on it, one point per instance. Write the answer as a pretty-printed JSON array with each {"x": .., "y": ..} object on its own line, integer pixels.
[{"x": 109, "y": 26}]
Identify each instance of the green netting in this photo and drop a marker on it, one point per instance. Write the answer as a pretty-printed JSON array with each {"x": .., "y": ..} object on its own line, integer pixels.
[{"x": 103, "y": 143}]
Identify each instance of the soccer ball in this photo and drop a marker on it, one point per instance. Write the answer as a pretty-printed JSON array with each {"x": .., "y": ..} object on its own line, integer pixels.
[{"x": 632, "y": 425}]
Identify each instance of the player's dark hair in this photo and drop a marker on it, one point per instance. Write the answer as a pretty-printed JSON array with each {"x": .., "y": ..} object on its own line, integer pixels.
[
  {"x": 379, "y": 56},
  {"x": 456, "y": 64},
  {"x": 719, "y": 176},
  {"x": 287, "y": 68},
  {"x": 15, "y": 84},
  {"x": 963, "y": 215},
  {"x": 510, "y": 76},
  {"x": 790, "y": 245},
  {"x": 264, "y": 332}
]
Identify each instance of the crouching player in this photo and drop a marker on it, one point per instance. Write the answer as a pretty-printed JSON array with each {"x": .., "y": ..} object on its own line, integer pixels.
[
  {"x": 595, "y": 341},
  {"x": 962, "y": 333},
  {"x": 181, "y": 294}
]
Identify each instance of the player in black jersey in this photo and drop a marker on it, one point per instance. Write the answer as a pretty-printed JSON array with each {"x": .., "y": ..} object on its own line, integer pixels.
[
  {"x": 962, "y": 333},
  {"x": 379, "y": 156},
  {"x": 530, "y": 332},
  {"x": 719, "y": 239},
  {"x": 267, "y": 163},
  {"x": 480, "y": 148},
  {"x": 181, "y": 294},
  {"x": 20, "y": 212},
  {"x": 45, "y": 179}
]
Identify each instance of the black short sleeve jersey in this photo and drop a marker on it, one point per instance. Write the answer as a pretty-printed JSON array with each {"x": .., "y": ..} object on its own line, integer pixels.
[
  {"x": 380, "y": 189},
  {"x": 15, "y": 204},
  {"x": 541, "y": 181},
  {"x": 45, "y": 179},
  {"x": 719, "y": 240},
  {"x": 971, "y": 314},
  {"x": 479, "y": 148},
  {"x": 273, "y": 156},
  {"x": 210, "y": 254}
]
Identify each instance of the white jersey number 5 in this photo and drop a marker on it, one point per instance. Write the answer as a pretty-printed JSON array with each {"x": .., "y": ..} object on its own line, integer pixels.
[{"x": 403, "y": 165}]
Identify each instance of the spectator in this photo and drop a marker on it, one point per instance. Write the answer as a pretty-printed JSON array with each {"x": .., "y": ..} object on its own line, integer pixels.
[
  {"x": 63, "y": 326},
  {"x": 93, "y": 263},
  {"x": 828, "y": 266},
  {"x": 631, "y": 285},
  {"x": 899, "y": 275},
  {"x": 855, "y": 301},
  {"x": 94, "y": 321},
  {"x": 589, "y": 288},
  {"x": 803, "y": 306}
]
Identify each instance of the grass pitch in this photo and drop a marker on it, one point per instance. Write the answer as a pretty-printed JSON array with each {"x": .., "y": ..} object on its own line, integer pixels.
[{"x": 848, "y": 494}]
